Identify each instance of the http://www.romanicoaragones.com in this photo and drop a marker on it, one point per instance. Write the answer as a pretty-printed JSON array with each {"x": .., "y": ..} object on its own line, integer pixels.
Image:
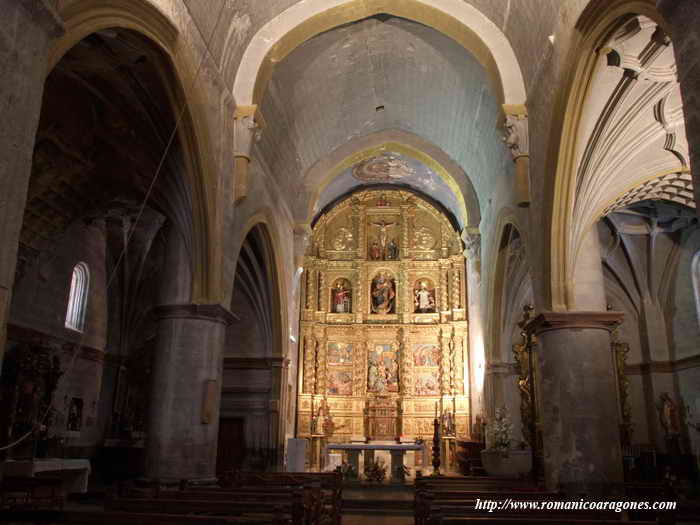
[{"x": 569, "y": 505}]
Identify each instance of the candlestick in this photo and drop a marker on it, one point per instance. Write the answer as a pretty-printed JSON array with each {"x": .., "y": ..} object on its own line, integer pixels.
[{"x": 436, "y": 414}]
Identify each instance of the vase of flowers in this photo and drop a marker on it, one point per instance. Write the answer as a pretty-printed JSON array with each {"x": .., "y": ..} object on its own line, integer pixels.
[{"x": 500, "y": 460}]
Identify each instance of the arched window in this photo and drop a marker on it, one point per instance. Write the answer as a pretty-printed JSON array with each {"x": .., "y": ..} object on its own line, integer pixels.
[{"x": 77, "y": 301}]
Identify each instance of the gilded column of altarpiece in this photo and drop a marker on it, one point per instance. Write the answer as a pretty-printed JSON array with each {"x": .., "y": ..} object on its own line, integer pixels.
[{"x": 383, "y": 328}]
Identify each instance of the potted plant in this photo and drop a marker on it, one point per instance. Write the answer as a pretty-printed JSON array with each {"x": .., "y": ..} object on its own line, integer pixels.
[{"x": 499, "y": 459}]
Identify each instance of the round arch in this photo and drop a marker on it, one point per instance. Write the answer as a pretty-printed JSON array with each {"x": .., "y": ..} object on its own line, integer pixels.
[
  {"x": 457, "y": 19},
  {"x": 85, "y": 17},
  {"x": 595, "y": 25},
  {"x": 321, "y": 174}
]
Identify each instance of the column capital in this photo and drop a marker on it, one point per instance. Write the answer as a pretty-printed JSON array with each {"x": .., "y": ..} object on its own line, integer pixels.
[
  {"x": 590, "y": 320},
  {"x": 247, "y": 130},
  {"x": 517, "y": 135},
  {"x": 207, "y": 312}
]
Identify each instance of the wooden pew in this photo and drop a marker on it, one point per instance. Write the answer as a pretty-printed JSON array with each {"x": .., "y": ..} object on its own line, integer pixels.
[
  {"x": 525, "y": 520},
  {"x": 124, "y": 518},
  {"x": 330, "y": 483},
  {"x": 280, "y": 508},
  {"x": 31, "y": 493}
]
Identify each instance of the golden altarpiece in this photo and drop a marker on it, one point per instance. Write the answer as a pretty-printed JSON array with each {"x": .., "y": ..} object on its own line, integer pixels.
[{"x": 383, "y": 322}]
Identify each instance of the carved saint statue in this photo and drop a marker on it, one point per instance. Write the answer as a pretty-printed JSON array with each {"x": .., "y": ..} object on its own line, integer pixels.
[
  {"x": 375, "y": 252},
  {"x": 424, "y": 299},
  {"x": 448, "y": 423},
  {"x": 668, "y": 413},
  {"x": 383, "y": 294},
  {"x": 392, "y": 250},
  {"x": 341, "y": 297}
]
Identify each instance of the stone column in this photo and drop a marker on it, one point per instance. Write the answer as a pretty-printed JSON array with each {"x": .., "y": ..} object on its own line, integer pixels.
[
  {"x": 27, "y": 32},
  {"x": 576, "y": 394},
  {"x": 577, "y": 401},
  {"x": 184, "y": 411},
  {"x": 245, "y": 132},
  {"x": 683, "y": 18}
]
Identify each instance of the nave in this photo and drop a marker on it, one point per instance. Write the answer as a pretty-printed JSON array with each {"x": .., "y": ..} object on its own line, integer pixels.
[{"x": 247, "y": 247}]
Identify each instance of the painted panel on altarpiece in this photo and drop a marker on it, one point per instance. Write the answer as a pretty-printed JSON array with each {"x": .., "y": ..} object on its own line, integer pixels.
[
  {"x": 383, "y": 369},
  {"x": 427, "y": 383},
  {"x": 339, "y": 354},
  {"x": 426, "y": 355},
  {"x": 340, "y": 383}
]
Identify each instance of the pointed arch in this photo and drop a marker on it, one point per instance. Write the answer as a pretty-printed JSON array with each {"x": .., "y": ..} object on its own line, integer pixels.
[{"x": 85, "y": 17}]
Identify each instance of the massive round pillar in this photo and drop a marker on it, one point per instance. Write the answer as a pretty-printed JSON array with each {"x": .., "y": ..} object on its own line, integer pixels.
[{"x": 184, "y": 410}]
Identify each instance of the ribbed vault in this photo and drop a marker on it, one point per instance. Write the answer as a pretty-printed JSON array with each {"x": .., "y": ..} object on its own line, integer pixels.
[{"x": 632, "y": 133}]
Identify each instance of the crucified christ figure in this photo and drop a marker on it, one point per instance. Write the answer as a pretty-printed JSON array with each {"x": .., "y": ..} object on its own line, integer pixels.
[{"x": 383, "y": 234}]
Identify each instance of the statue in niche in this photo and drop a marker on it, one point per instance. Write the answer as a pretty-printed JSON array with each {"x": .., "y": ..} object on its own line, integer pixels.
[
  {"x": 392, "y": 250},
  {"x": 341, "y": 297},
  {"x": 448, "y": 423},
  {"x": 424, "y": 298},
  {"x": 383, "y": 236},
  {"x": 383, "y": 294}
]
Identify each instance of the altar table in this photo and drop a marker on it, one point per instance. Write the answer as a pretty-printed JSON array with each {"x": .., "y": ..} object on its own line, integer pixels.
[
  {"x": 396, "y": 450},
  {"x": 74, "y": 472}
]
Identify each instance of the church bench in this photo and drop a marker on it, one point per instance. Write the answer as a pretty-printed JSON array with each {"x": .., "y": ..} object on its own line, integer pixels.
[
  {"x": 330, "y": 483},
  {"x": 31, "y": 493},
  {"x": 527, "y": 520},
  {"x": 312, "y": 500},
  {"x": 49, "y": 517},
  {"x": 287, "y": 508}
]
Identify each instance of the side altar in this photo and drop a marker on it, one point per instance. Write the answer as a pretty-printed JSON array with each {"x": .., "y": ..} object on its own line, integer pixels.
[{"x": 383, "y": 331}]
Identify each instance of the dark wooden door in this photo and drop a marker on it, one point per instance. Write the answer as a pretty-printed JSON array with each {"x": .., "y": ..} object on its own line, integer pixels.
[{"x": 231, "y": 445}]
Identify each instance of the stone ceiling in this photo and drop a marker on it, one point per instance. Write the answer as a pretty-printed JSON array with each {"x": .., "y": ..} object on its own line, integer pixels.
[{"x": 376, "y": 74}]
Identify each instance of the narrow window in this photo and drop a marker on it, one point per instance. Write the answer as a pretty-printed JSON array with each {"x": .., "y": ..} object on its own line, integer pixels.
[{"x": 77, "y": 301}]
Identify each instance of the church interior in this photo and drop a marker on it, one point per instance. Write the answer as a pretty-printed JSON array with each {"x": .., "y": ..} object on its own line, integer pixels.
[{"x": 349, "y": 261}]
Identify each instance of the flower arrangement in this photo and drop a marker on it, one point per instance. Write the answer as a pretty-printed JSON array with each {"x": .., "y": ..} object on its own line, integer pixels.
[
  {"x": 499, "y": 431},
  {"x": 375, "y": 471},
  {"x": 347, "y": 470}
]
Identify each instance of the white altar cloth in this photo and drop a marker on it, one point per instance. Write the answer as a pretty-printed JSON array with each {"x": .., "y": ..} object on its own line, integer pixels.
[{"x": 74, "y": 472}]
